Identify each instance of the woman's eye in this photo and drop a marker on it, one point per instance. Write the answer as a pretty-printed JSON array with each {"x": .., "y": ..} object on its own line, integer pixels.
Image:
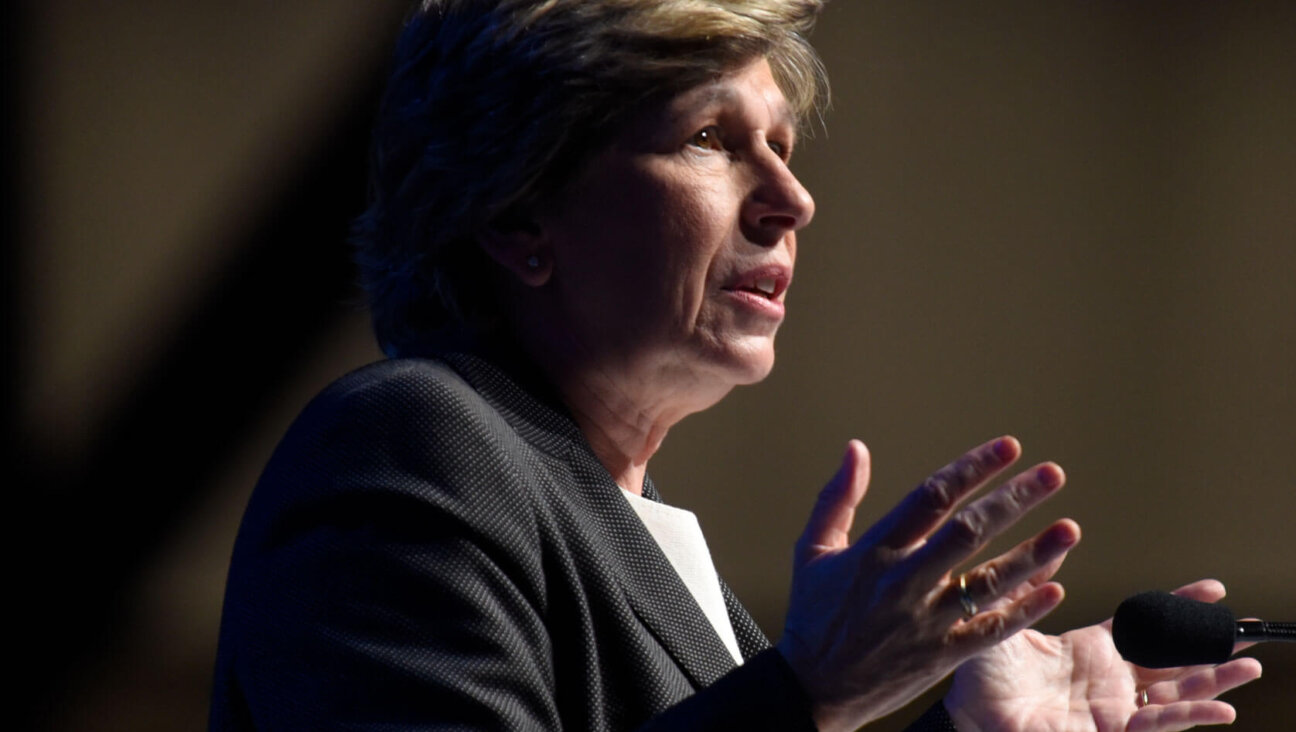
[{"x": 707, "y": 138}]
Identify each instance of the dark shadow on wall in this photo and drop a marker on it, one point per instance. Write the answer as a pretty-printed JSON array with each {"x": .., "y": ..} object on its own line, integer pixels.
[{"x": 99, "y": 519}]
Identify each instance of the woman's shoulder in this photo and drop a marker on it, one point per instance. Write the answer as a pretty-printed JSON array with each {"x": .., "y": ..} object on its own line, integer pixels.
[
  {"x": 394, "y": 400},
  {"x": 414, "y": 414},
  {"x": 392, "y": 386},
  {"x": 391, "y": 441},
  {"x": 451, "y": 387},
  {"x": 399, "y": 481}
]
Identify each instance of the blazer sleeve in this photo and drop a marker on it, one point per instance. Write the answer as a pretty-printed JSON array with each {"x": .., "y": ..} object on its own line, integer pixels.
[{"x": 373, "y": 587}]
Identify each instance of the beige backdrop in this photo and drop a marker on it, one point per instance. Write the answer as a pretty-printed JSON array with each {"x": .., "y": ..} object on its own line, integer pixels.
[{"x": 1074, "y": 222}]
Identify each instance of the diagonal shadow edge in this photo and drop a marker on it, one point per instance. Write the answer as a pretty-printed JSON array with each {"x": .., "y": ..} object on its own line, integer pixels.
[{"x": 162, "y": 445}]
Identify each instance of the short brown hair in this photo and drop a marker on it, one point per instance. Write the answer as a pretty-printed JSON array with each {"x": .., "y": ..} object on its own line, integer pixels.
[{"x": 493, "y": 104}]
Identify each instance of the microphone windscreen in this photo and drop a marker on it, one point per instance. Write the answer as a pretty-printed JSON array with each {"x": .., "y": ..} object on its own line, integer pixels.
[{"x": 1161, "y": 630}]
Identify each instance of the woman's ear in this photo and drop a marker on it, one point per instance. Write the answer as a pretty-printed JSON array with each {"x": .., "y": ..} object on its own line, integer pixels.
[{"x": 518, "y": 245}]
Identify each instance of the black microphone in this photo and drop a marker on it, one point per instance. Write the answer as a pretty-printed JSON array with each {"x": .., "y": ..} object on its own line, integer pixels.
[{"x": 1161, "y": 630}]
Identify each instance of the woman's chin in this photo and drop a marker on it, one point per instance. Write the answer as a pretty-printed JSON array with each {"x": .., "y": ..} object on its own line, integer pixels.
[{"x": 751, "y": 362}]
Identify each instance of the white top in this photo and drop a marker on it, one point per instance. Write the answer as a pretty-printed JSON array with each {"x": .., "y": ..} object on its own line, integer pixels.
[{"x": 680, "y": 537}]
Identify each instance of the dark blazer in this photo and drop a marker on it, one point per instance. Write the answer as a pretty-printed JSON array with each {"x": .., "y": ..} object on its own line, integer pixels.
[{"x": 433, "y": 545}]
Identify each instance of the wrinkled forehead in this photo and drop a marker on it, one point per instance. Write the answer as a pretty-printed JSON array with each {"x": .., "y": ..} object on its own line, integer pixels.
[{"x": 750, "y": 91}]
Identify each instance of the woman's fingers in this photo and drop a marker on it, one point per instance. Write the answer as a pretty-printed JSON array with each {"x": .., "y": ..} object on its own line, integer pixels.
[
  {"x": 1206, "y": 590},
  {"x": 987, "y": 628},
  {"x": 834, "y": 509},
  {"x": 1180, "y": 716},
  {"x": 926, "y": 506},
  {"x": 1044, "y": 574},
  {"x": 1014, "y": 573},
  {"x": 980, "y": 521},
  {"x": 1189, "y": 699},
  {"x": 1206, "y": 683}
]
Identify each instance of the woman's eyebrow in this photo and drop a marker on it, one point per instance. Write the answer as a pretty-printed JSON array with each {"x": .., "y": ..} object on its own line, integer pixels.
[{"x": 722, "y": 94}]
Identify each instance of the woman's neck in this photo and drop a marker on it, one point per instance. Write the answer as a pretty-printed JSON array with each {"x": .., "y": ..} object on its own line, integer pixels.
[
  {"x": 623, "y": 429},
  {"x": 624, "y": 407}
]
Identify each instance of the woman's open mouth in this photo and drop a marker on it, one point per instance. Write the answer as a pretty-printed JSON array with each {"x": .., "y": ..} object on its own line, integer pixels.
[
  {"x": 766, "y": 282},
  {"x": 762, "y": 289}
]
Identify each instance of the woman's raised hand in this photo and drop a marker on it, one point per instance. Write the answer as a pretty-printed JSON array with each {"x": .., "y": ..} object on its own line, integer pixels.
[
  {"x": 873, "y": 624},
  {"x": 1077, "y": 682}
]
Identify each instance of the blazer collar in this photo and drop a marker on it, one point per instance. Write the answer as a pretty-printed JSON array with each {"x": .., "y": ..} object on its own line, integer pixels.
[
  {"x": 652, "y": 586},
  {"x": 535, "y": 410}
]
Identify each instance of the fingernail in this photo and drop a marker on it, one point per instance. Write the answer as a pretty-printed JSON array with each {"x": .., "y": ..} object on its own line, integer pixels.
[
  {"x": 1004, "y": 448},
  {"x": 1050, "y": 476},
  {"x": 1063, "y": 536}
]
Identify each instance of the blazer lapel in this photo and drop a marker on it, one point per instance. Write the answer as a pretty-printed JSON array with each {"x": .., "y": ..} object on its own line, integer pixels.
[
  {"x": 651, "y": 585},
  {"x": 751, "y": 640},
  {"x": 653, "y": 588}
]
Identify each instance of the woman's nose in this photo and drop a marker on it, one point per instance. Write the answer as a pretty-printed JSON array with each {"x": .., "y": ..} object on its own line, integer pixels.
[{"x": 777, "y": 203}]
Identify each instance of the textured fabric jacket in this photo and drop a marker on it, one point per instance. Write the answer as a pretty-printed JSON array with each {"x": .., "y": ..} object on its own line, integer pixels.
[{"x": 434, "y": 546}]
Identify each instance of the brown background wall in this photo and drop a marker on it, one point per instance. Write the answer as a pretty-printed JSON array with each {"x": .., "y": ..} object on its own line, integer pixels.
[{"x": 1074, "y": 222}]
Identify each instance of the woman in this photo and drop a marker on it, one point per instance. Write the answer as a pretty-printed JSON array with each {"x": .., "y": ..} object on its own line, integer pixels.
[{"x": 583, "y": 228}]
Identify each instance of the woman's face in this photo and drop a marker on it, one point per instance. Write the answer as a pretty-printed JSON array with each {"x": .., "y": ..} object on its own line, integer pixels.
[{"x": 672, "y": 251}]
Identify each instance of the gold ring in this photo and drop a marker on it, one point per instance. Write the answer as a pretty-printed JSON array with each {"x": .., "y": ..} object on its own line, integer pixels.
[
  {"x": 965, "y": 597},
  {"x": 1142, "y": 699}
]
